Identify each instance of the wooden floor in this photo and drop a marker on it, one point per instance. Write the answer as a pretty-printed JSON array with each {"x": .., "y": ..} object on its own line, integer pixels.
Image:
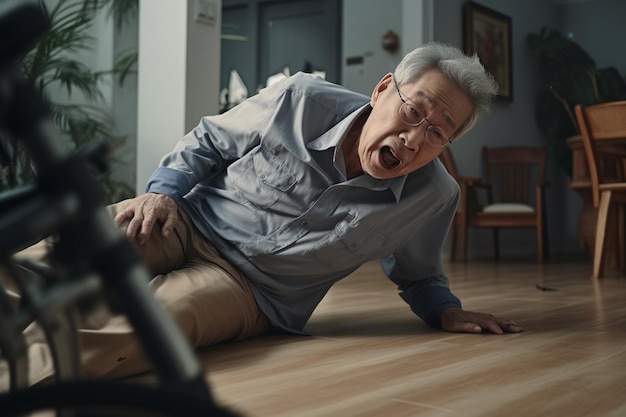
[{"x": 368, "y": 355}]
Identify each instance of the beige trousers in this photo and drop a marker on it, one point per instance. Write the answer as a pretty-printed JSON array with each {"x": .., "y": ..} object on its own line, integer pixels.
[{"x": 209, "y": 298}]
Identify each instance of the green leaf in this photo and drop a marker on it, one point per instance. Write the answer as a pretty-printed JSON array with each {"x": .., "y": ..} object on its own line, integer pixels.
[{"x": 53, "y": 62}]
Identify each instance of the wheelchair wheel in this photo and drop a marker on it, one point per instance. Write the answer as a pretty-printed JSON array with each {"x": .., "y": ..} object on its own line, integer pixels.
[{"x": 107, "y": 399}]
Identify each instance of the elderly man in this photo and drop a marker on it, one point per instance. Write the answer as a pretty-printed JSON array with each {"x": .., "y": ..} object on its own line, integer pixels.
[{"x": 257, "y": 212}]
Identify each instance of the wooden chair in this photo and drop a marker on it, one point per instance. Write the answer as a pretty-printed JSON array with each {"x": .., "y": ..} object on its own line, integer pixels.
[
  {"x": 466, "y": 183},
  {"x": 514, "y": 179},
  {"x": 603, "y": 128}
]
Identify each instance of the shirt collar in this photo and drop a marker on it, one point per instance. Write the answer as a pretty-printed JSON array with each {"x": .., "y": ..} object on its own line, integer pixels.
[{"x": 333, "y": 137}]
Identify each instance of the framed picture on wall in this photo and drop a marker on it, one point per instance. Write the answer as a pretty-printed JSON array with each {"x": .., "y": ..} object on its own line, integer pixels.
[{"x": 488, "y": 35}]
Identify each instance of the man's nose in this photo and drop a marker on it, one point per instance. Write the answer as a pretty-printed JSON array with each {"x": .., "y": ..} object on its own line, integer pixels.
[{"x": 413, "y": 138}]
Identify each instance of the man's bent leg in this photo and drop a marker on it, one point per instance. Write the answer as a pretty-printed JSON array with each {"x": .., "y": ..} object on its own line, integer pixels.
[
  {"x": 208, "y": 297},
  {"x": 210, "y": 304}
]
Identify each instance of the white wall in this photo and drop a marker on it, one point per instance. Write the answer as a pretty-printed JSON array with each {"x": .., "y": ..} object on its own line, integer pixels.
[
  {"x": 417, "y": 23},
  {"x": 203, "y": 65},
  {"x": 178, "y": 77},
  {"x": 363, "y": 26},
  {"x": 161, "y": 90}
]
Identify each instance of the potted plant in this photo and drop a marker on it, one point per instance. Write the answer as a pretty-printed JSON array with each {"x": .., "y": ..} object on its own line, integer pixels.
[
  {"x": 569, "y": 76},
  {"x": 52, "y": 62}
]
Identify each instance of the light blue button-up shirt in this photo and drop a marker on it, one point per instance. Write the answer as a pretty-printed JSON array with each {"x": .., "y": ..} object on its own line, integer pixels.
[{"x": 266, "y": 183}]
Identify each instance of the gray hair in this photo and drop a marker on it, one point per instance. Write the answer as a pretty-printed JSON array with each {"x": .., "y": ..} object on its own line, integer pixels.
[{"x": 467, "y": 72}]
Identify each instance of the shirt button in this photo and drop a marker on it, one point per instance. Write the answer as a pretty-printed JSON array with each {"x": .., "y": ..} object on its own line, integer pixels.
[
  {"x": 354, "y": 245},
  {"x": 262, "y": 176}
]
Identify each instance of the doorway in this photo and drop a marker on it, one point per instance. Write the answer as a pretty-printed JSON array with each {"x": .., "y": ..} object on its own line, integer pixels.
[{"x": 261, "y": 38}]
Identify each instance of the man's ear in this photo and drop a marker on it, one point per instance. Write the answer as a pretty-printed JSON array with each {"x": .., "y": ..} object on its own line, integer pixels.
[{"x": 382, "y": 85}]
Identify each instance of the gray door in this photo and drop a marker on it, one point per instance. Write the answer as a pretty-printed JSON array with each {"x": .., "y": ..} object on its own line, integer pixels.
[
  {"x": 262, "y": 37},
  {"x": 301, "y": 35}
]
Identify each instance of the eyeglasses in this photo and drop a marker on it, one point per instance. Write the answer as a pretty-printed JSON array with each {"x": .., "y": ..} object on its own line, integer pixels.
[{"x": 413, "y": 117}]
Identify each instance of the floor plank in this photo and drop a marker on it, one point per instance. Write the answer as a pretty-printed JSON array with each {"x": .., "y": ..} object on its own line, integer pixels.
[{"x": 368, "y": 355}]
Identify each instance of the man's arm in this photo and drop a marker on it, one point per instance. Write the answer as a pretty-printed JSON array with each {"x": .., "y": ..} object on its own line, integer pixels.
[
  {"x": 205, "y": 151},
  {"x": 429, "y": 298},
  {"x": 417, "y": 270},
  {"x": 432, "y": 300}
]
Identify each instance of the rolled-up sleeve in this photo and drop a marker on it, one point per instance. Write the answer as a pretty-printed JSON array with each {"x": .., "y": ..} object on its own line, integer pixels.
[{"x": 428, "y": 298}]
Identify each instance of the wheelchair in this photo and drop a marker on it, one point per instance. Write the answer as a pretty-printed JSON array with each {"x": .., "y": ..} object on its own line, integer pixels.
[{"x": 91, "y": 262}]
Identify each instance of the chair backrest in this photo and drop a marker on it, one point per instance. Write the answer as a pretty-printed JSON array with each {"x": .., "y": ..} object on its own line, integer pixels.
[
  {"x": 513, "y": 172},
  {"x": 600, "y": 124},
  {"x": 469, "y": 198}
]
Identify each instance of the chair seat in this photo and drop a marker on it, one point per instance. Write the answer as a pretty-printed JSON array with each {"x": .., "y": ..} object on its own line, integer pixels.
[
  {"x": 511, "y": 219},
  {"x": 508, "y": 208}
]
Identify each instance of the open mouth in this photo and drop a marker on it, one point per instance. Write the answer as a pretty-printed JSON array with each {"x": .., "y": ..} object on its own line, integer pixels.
[{"x": 388, "y": 159}]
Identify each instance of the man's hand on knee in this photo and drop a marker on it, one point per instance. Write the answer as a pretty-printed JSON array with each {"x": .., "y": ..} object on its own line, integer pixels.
[{"x": 144, "y": 212}]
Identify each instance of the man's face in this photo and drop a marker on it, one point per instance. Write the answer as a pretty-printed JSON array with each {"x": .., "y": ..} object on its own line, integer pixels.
[{"x": 388, "y": 147}]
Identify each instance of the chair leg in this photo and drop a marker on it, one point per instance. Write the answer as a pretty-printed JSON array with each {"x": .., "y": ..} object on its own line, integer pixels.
[
  {"x": 621, "y": 224},
  {"x": 603, "y": 214},
  {"x": 496, "y": 244},
  {"x": 540, "y": 250},
  {"x": 545, "y": 242}
]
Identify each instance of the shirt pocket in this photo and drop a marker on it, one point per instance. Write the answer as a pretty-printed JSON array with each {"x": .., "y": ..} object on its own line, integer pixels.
[
  {"x": 350, "y": 244},
  {"x": 263, "y": 179}
]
